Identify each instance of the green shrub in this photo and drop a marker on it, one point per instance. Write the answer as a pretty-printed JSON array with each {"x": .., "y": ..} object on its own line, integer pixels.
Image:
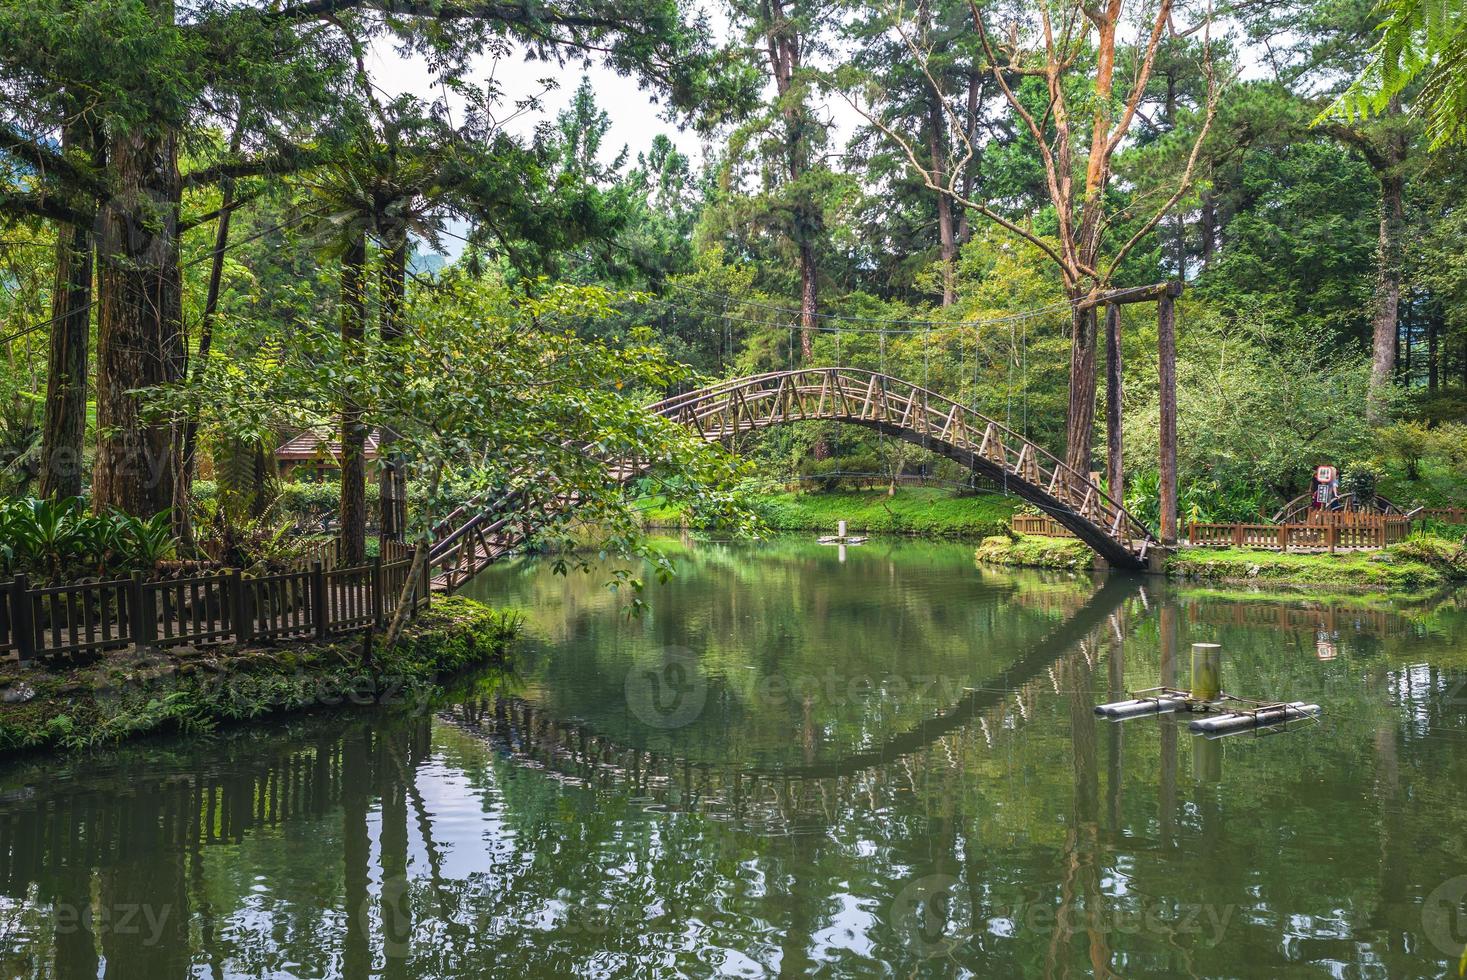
[{"x": 60, "y": 540}]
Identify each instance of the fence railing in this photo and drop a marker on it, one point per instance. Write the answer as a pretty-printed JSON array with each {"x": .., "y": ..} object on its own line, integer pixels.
[
  {"x": 1040, "y": 524},
  {"x": 328, "y": 553},
  {"x": 310, "y": 602},
  {"x": 1452, "y": 515},
  {"x": 1324, "y": 532},
  {"x": 1330, "y": 535}
]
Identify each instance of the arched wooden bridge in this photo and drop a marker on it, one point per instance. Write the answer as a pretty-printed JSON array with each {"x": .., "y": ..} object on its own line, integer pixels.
[{"x": 484, "y": 530}]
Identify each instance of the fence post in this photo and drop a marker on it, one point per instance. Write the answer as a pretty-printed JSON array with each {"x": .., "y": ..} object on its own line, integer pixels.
[
  {"x": 1237, "y": 535},
  {"x": 375, "y": 585},
  {"x": 143, "y": 614},
  {"x": 1332, "y": 535},
  {"x": 427, "y": 583},
  {"x": 1284, "y": 537},
  {"x": 22, "y": 618},
  {"x": 318, "y": 599},
  {"x": 241, "y": 615}
]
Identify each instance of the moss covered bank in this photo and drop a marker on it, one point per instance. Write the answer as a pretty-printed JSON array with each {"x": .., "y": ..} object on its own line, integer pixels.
[
  {"x": 1417, "y": 567},
  {"x": 194, "y": 689}
]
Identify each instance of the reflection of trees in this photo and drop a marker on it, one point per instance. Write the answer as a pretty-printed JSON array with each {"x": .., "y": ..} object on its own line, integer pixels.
[{"x": 584, "y": 854}]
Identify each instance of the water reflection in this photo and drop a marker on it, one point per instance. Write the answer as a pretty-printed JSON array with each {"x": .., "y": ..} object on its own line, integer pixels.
[{"x": 988, "y": 824}]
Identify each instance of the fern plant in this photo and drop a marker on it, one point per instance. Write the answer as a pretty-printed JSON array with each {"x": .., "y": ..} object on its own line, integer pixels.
[{"x": 1420, "y": 40}]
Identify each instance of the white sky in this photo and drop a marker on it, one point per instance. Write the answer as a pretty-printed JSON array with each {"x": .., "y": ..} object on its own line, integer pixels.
[{"x": 635, "y": 118}]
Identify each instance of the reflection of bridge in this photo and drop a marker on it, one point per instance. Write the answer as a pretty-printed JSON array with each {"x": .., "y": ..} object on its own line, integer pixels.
[
  {"x": 484, "y": 530},
  {"x": 576, "y": 751}
]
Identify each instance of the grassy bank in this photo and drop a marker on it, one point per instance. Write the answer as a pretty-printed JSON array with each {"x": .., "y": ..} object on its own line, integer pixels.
[
  {"x": 193, "y": 690},
  {"x": 1422, "y": 565},
  {"x": 926, "y": 511},
  {"x": 1035, "y": 551},
  {"x": 1417, "y": 567}
]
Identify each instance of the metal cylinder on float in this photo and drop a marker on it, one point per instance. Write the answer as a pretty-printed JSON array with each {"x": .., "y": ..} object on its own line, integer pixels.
[{"x": 1206, "y": 671}]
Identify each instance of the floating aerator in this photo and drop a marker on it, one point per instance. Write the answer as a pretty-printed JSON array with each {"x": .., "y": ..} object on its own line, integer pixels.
[
  {"x": 1136, "y": 707},
  {"x": 1229, "y": 722},
  {"x": 1224, "y": 714}
]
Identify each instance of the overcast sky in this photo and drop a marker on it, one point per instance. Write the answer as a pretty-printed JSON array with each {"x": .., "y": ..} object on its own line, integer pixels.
[{"x": 635, "y": 118}]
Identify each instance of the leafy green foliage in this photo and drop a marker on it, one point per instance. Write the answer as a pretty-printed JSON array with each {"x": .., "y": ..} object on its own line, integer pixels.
[
  {"x": 59, "y": 540},
  {"x": 1260, "y": 403},
  {"x": 500, "y": 388},
  {"x": 1422, "y": 43}
]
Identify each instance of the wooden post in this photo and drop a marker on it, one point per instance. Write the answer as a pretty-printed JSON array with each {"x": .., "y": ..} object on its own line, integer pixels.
[
  {"x": 1114, "y": 456},
  {"x": 22, "y": 618},
  {"x": 1237, "y": 535},
  {"x": 1332, "y": 535},
  {"x": 374, "y": 586},
  {"x": 318, "y": 599},
  {"x": 142, "y": 612},
  {"x": 1166, "y": 351},
  {"x": 1283, "y": 537},
  {"x": 427, "y": 579},
  {"x": 241, "y": 615}
]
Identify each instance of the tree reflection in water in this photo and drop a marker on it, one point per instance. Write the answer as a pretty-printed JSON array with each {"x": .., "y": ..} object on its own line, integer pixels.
[{"x": 1005, "y": 831}]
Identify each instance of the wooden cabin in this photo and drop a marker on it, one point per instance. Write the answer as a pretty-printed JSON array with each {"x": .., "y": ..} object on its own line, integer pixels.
[{"x": 308, "y": 458}]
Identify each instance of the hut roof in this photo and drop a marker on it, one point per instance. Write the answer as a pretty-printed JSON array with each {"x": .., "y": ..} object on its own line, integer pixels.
[{"x": 309, "y": 445}]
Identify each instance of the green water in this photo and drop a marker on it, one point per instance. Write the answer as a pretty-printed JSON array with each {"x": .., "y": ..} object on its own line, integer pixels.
[{"x": 877, "y": 763}]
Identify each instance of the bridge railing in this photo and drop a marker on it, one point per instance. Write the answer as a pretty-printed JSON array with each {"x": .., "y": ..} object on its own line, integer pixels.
[
  {"x": 892, "y": 401},
  {"x": 485, "y": 527}
]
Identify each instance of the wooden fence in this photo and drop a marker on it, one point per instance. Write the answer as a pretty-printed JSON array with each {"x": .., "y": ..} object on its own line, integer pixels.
[
  {"x": 1328, "y": 535},
  {"x": 328, "y": 553},
  {"x": 314, "y": 602},
  {"x": 1452, "y": 515},
  {"x": 1040, "y": 524},
  {"x": 1327, "y": 531}
]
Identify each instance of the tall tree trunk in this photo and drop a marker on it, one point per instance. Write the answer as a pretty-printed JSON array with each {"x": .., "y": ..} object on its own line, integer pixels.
[
  {"x": 1115, "y": 466},
  {"x": 353, "y": 432},
  {"x": 1431, "y": 351},
  {"x": 139, "y": 322},
  {"x": 976, "y": 79},
  {"x": 188, "y": 462},
  {"x": 1387, "y": 289},
  {"x": 809, "y": 286},
  {"x": 65, "y": 424},
  {"x": 808, "y": 322},
  {"x": 947, "y": 249},
  {"x": 947, "y": 245},
  {"x": 1407, "y": 321},
  {"x": 392, "y": 481},
  {"x": 1080, "y": 417}
]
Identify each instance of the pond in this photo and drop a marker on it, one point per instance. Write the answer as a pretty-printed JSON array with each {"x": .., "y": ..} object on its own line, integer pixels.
[{"x": 877, "y": 760}]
